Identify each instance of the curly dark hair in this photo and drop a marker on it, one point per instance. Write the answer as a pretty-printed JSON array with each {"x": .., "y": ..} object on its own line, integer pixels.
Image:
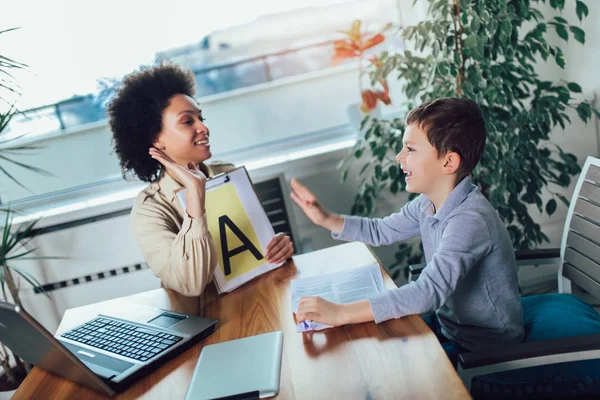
[{"x": 135, "y": 114}]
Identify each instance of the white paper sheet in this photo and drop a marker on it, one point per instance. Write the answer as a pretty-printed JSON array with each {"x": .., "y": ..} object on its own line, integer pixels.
[{"x": 339, "y": 287}]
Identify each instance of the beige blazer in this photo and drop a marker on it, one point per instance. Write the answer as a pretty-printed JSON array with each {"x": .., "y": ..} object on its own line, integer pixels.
[{"x": 177, "y": 248}]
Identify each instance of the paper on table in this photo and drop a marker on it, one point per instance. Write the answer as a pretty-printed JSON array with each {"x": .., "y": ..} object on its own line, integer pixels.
[{"x": 339, "y": 287}]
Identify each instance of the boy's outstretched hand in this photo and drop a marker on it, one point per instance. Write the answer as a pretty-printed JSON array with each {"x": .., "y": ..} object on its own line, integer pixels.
[{"x": 307, "y": 201}]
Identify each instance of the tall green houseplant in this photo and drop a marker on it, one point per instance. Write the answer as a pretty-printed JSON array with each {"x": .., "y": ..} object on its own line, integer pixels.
[
  {"x": 486, "y": 50},
  {"x": 14, "y": 241}
]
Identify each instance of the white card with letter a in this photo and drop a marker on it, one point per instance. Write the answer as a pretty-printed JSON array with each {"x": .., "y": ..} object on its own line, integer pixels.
[{"x": 239, "y": 227}]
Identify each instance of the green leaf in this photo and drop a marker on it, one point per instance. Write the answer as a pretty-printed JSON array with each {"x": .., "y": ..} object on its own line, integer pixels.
[
  {"x": 573, "y": 87},
  {"x": 561, "y": 20},
  {"x": 557, "y": 4},
  {"x": 378, "y": 171},
  {"x": 470, "y": 42},
  {"x": 560, "y": 58},
  {"x": 475, "y": 24},
  {"x": 492, "y": 26},
  {"x": 394, "y": 187},
  {"x": 505, "y": 28},
  {"x": 582, "y": 10},
  {"x": 562, "y": 31},
  {"x": 364, "y": 122},
  {"x": 364, "y": 168},
  {"x": 578, "y": 33},
  {"x": 563, "y": 199},
  {"x": 584, "y": 112},
  {"x": 443, "y": 68},
  {"x": 551, "y": 206}
]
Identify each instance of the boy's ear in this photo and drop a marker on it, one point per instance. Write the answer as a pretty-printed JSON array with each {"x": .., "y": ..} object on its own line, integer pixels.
[{"x": 452, "y": 162}]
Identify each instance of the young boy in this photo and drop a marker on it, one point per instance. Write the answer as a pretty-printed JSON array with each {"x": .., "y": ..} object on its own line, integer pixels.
[{"x": 470, "y": 280}]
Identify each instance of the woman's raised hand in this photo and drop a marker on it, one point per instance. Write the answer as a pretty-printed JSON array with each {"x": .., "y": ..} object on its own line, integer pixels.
[{"x": 190, "y": 177}]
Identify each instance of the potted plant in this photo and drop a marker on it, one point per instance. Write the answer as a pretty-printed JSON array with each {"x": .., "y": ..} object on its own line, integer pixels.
[
  {"x": 15, "y": 246},
  {"x": 486, "y": 51},
  {"x": 15, "y": 243},
  {"x": 355, "y": 45}
]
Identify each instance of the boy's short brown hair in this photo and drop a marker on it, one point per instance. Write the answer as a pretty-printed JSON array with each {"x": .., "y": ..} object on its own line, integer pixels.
[{"x": 453, "y": 124}]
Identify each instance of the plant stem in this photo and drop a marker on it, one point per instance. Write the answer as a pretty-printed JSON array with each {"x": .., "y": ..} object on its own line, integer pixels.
[
  {"x": 12, "y": 287},
  {"x": 5, "y": 362},
  {"x": 458, "y": 45},
  {"x": 24, "y": 366}
]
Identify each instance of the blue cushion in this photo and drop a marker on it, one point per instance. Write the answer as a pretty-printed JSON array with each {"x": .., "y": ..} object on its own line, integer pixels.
[{"x": 550, "y": 316}]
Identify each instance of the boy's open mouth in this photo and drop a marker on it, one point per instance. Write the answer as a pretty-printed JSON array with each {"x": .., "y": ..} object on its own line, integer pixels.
[{"x": 407, "y": 173}]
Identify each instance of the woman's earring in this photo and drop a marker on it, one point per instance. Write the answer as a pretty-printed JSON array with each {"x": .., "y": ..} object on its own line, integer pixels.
[{"x": 161, "y": 147}]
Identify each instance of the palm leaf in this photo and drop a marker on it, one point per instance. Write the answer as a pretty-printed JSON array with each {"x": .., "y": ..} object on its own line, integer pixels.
[
  {"x": 29, "y": 167},
  {"x": 8, "y": 30},
  {"x": 44, "y": 258},
  {"x": 20, "y": 255},
  {"x": 9, "y": 63},
  {"x": 7, "y": 73},
  {"x": 5, "y": 172},
  {"x": 9, "y": 88},
  {"x": 6, "y": 232},
  {"x": 24, "y": 232},
  {"x": 29, "y": 278},
  {"x": 2, "y": 283},
  {"x": 11, "y": 240}
]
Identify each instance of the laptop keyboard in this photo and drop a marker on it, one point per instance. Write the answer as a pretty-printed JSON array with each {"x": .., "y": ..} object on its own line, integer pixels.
[{"x": 121, "y": 338}]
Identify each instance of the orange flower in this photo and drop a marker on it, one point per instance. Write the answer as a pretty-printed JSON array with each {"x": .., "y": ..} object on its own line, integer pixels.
[
  {"x": 373, "y": 41},
  {"x": 375, "y": 61},
  {"x": 354, "y": 32},
  {"x": 344, "y": 49},
  {"x": 369, "y": 101},
  {"x": 371, "y": 97},
  {"x": 355, "y": 46},
  {"x": 356, "y": 43}
]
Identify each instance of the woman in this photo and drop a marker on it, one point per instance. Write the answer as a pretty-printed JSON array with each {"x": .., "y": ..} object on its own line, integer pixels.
[{"x": 160, "y": 136}]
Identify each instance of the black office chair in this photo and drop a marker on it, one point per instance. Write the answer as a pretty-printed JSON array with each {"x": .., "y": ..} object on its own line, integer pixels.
[{"x": 560, "y": 356}]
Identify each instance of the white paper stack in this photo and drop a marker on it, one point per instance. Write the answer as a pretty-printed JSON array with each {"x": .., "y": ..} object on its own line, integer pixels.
[{"x": 339, "y": 287}]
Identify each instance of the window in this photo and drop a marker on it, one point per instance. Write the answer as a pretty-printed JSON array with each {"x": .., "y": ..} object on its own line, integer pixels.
[{"x": 231, "y": 46}]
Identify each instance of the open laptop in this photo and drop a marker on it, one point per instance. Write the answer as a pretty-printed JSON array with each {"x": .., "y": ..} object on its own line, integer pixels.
[{"x": 108, "y": 352}]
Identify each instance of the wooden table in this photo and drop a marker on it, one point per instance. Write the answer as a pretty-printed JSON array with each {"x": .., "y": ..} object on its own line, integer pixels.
[{"x": 396, "y": 359}]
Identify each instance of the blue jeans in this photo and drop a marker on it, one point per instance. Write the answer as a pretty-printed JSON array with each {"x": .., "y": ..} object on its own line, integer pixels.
[{"x": 451, "y": 348}]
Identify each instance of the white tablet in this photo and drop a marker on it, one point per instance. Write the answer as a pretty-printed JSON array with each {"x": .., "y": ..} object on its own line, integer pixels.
[{"x": 241, "y": 368}]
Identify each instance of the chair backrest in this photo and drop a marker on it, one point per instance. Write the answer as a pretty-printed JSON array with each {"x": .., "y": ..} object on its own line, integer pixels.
[{"x": 580, "y": 249}]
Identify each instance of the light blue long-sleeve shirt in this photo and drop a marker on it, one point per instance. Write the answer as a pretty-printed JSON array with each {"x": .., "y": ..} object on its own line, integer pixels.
[{"x": 471, "y": 275}]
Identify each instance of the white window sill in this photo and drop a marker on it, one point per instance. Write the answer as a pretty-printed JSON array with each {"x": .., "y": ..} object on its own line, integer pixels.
[{"x": 118, "y": 194}]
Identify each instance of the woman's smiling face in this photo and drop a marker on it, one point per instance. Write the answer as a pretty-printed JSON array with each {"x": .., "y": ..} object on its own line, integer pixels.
[{"x": 184, "y": 136}]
